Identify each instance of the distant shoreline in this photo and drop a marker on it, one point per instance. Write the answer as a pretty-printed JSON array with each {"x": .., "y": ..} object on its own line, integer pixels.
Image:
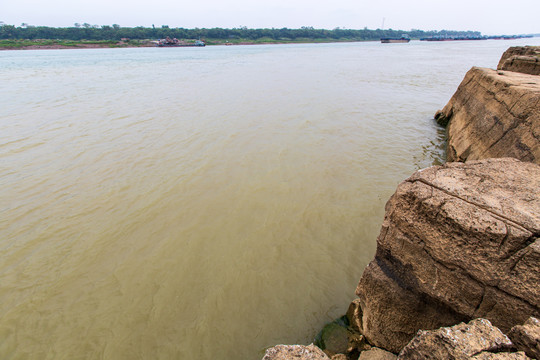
[{"x": 51, "y": 45}]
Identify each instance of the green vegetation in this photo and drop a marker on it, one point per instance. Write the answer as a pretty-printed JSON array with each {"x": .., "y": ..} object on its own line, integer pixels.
[
  {"x": 47, "y": 43},
  {"x": 116, "y": 33}
]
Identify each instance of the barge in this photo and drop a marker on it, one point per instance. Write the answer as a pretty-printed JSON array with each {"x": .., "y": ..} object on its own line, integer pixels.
[{"x": 168, "y": 42}]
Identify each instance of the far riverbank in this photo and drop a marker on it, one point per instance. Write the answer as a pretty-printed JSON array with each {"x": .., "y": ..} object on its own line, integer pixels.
[{"x": 43, "y": 44}]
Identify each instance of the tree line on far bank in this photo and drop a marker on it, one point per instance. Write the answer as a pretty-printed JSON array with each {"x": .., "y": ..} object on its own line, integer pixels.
[{"x": 116, "y": 33}]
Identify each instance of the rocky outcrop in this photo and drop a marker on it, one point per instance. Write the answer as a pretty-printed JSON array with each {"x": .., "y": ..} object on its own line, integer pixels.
[
  {"x": 523, "y": 59},
  {"x": 459, "y": 342},
  {"x": 377, "y": 354},
  {"x": 458, "y": 241},
  {"x": 526, "y": 337},
  {"x": 493, "y": 114},
  {"x": 500, "y": 356},
  {"x": 296, "y": 352}
]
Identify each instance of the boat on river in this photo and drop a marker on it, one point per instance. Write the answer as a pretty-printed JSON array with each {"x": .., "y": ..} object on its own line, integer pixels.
[
  {"x": 168, "y": 42},
  {"x": 453, "y": 38},
  {"x": 391, "y": 40}
]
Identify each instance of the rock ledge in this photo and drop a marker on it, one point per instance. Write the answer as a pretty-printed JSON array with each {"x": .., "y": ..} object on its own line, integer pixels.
[
  {"x": 458, "y": 241},
  {"x": 493, "y": 114}
]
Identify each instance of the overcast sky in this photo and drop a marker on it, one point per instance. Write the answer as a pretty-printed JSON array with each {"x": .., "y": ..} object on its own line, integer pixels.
[{"x": 488, "y": 16}]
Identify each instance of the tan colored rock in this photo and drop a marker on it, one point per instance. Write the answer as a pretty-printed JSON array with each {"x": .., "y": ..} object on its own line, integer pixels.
[
  {"x": 458, "y": 342},
  {"x": 520, "y": 355},
  {"x": 339, "y": 357},
  {"x": 526, "y": 337},
  {"x": 392, "y": 313},
  {"x": 458, "y": 241},
  {"x": 494, "y": 114},
  {"x": 357, "y": 343},
  {"x": 296, "y": 352},
  {"x": 377, "y": 354},
  {"x": 354, "y": 315},
  {"x": 523, "y": 59},
  {"x": 523, "y": 64},
  {"x": 517, "y": 51}
]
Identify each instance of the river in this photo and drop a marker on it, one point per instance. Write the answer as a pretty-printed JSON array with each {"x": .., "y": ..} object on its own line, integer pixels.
[{"x": 204, "y": 203}]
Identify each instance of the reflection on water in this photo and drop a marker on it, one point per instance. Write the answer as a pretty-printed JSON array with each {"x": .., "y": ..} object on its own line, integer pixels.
[{"x": 203, "y": 203}]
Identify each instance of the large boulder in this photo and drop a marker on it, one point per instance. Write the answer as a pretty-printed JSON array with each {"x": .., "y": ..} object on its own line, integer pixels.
[
  {"x": 376, "y": 354},
  {"x": 458, "y": 241},
  {"x": 333, "y": 338},
  {"x": 493, "y": 114},
  {"x": 526, "y": 337},
  {"x": 523, "y": 59},
  {"x": 460, "y": 342},
  {"x": 296, "y": 352}
]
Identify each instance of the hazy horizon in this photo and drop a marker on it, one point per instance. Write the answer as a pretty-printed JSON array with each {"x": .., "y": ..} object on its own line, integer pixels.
[{"x": 488, "y": 17}]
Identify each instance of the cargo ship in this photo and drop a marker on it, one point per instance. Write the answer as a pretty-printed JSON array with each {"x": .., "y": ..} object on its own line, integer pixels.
[
  {"x": 391, "y": 40},
  {"x": 453, "y": 38},
  {"x": 168, "y": 42}
]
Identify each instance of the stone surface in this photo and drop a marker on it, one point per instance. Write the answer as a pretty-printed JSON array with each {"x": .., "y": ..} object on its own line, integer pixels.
[
  {"x": 523, "y": 59},
  {"x": 357, "y": 343},
  {"x": 493, "y": 114},
  {"x": 526, "y": 337},
  {"x": 339, "y": 357},
  {"x": 296, "y": 352},
  {"x": 377, "y": 354},
  {"x": 458, "y": 241},
  {"x": 500, "y": 356},
  {"x": 458, "y": 342},
  {"x": 354, "y": 315},
  {"x": 334, "y": 337}
]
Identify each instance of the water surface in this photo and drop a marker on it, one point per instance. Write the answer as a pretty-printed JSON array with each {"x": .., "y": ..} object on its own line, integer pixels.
[{"x": 206, "y": 203}]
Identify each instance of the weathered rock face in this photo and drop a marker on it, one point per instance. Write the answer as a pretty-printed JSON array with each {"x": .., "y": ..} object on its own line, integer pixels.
[
  {"x": 458, "y": 241},
  {"x": 494, "y": 114},
  {"x": 486, "y": 355},
  {"x": 523, "y": 59},
  {"x": 297, "y": 352},
  {"x": 461, "y": 341},
  {"x": 526, "y": 337},
  {"x": 377, "y": 354}
]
